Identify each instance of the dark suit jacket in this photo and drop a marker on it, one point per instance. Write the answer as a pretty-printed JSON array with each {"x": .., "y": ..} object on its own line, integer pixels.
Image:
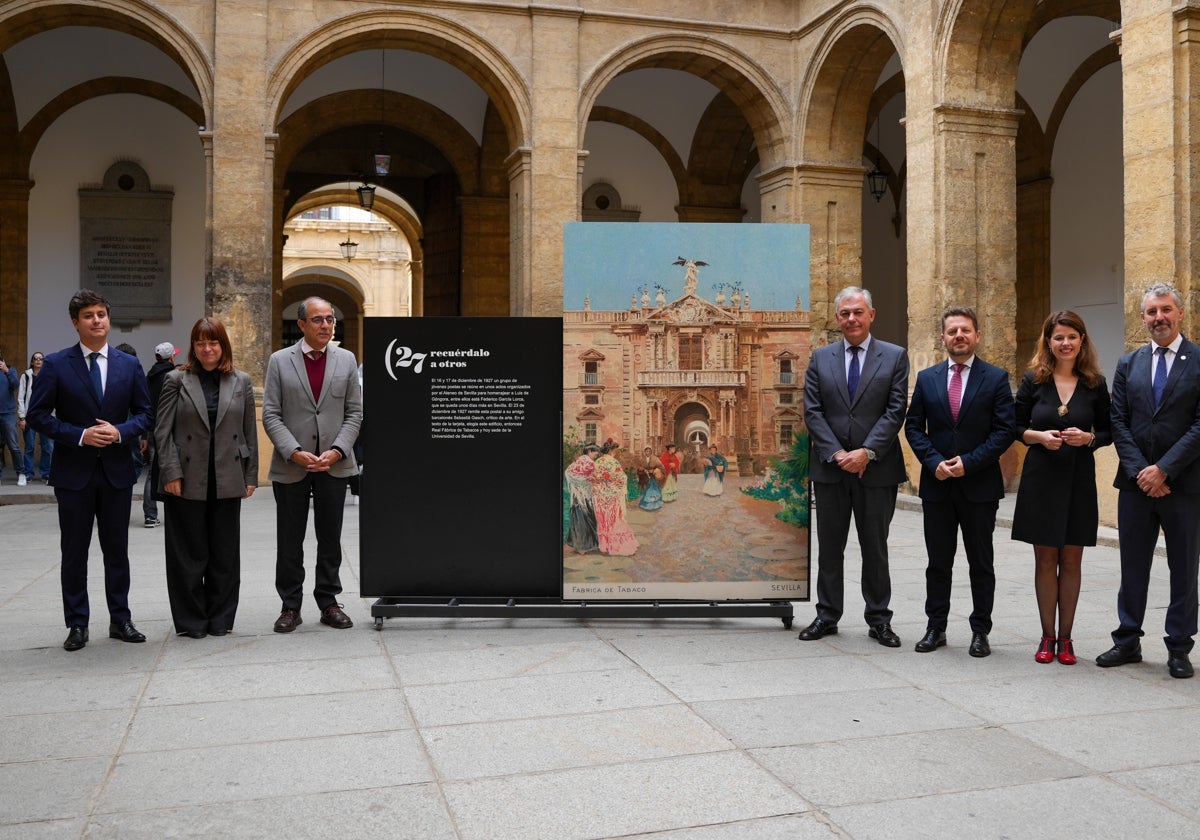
[
  {"x": 1168, "y": 436},
  {"x": 182, "y": 435},
  {"x": 872, "y": 420},
  {"x": 985, "y": 429},
  {"x": 63, "y": 405}
]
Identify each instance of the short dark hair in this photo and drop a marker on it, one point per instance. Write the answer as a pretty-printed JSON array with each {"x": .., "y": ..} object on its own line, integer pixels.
[
  {"x": 125, "y": 347},
  {"x": 83, "y": 299},
  {"x": 959, "y": 312}
]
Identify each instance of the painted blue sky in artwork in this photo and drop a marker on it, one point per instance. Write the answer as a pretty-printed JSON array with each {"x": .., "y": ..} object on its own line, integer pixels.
[{"x": 611, "y": 261}]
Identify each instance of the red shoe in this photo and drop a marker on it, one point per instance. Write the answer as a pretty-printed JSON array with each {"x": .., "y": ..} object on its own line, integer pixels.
[
  {"x": 1045, "y": 652},
  {"x": 1066, "y": 652}
]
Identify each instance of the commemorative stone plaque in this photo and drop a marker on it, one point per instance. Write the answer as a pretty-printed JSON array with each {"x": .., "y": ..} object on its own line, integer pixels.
[{"x": 125, "y": 244}]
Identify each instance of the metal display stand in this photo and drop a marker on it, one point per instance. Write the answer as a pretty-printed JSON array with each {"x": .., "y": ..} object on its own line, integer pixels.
[{"x": 557, "y": 608}]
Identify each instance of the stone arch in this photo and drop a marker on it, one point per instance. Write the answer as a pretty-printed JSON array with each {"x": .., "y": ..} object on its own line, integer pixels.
[
  {"x": 142, "y": 20},
  {"x": 338, "y": 287},
  {"x": 395, "y": 212},
  {"x": 31, "y": 134},
  {"x": 836, "y": 99},
  {"x": 420, "y": 119},
  {"x": 1045, "y": 13},
  {"x": 451, "y": 42},
  {"x": 747, "y": 85},
  {"x": 978, "y": 47},
  {"x": 603, "y": 113}
]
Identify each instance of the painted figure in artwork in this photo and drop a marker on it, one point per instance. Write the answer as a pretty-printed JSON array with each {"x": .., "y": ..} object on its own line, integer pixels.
[
  {"x": 714, "y": 472},
  {"x": 608, "y": 491},
  {"x": 692, "y": 278},
  {"x": 581, "y": 532},
  {"x": 652, "y": 497},
  {"x": 671, "y": 463}
]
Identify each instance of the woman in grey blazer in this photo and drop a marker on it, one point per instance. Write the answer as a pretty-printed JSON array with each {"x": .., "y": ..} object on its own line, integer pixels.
[{"x": 208, "y": 462}]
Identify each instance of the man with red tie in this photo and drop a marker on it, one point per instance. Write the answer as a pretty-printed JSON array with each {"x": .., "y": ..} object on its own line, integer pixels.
[
  {"x": 961, "y": 420},
  {"x": 92, "y": 400}
]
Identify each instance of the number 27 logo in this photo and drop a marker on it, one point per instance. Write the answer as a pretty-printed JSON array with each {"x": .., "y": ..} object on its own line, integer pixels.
[{"x": 404, "y": 358}]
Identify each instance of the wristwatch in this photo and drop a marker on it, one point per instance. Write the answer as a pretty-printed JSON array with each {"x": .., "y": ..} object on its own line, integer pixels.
[{"x": 870, "y": 453}]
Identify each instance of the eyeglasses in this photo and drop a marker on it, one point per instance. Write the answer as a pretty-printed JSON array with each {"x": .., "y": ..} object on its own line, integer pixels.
[
  {"x": 39, "y": 358},
  {"x": 323, "y": 319}
]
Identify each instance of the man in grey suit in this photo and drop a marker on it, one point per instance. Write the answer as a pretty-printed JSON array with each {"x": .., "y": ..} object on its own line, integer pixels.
[
  {"x": 1156, "y": 430},
  {"x": 855, "y": 392},
  {"x": 312, "y": 411}
]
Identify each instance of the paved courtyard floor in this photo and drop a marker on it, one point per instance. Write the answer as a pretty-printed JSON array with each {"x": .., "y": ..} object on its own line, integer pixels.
[{"x": 492, "y": 728}]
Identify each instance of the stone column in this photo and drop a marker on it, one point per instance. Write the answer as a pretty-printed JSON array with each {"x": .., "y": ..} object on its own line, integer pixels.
[
  {"x": 830, "y": 200},
  {"x": 485, "y": 225},
  {"x": 14, "y": 271},
  {"x": 1033, "y": 263},
  {"x": 553, "y": 186},
  {"x": 241, "y": 218},
  {"x": 971, "y": 236}
]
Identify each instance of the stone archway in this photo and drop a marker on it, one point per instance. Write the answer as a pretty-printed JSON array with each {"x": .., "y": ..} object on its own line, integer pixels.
[
  {"x": 19, "y": 143},
  {"x": 837, "y": 104}
]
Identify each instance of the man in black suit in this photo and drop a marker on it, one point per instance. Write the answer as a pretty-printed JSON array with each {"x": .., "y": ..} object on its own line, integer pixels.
[
  {"x": 854, "y": 396},
  {"x": 1156, "y": 429},
  {"x": 960, "y": 421},
  {"x": 93, "y": 401}
]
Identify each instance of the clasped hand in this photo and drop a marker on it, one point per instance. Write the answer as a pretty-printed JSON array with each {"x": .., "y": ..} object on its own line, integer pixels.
[
  {"x": 101, "y": 435},
  {"x": 314, "y": 463}
]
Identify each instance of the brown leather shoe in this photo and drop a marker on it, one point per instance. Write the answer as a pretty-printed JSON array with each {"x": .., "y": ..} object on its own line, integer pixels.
[
  {"x": 288, "y": 621},
  {"x": 334, "y": 617}
]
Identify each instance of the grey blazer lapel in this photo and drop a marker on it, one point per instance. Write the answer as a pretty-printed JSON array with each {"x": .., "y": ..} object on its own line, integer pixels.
[
  {"x": 190, "y": 385},
  {"x": 224, "y": 396},
  {"x": 302, "y": 372}
]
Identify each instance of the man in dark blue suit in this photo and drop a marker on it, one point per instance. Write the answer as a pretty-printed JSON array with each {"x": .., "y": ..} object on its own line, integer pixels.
[
  {"x": 1156, "y": 430},
  {"x": 92, "y": 400},
  {"x": 960, "y": 421}
]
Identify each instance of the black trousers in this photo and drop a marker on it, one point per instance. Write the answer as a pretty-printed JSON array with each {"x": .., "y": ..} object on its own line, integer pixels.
[
  {"x": 1139, "y": 518},
  {"x": 108, "y": 507},
  {"x": 943, "y": 518},
  {"x": 328, "y": 495},
  {"x": 872, "y": 509},
  {"x": 204, "y": 562}
]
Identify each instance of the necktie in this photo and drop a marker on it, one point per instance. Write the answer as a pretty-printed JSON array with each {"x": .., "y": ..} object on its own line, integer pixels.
[
  {"x": 1160, "y": 375},
  {"x": 955, "y": 391},
  {"x": 97, "y": 384},
  {"x": 853, "y": 374}
]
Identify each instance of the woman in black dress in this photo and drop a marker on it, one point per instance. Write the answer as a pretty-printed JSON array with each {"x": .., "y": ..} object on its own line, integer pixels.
[{"x": 1062, "y": 416}]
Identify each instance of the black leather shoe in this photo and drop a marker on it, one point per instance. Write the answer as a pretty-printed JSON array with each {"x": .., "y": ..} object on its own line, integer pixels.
[
  {"x": 125, "y": 631},
  {"x": 931, "y": 641},
  {"x": 883, "y": 632},
  {"x": 76, "y": 638},
  {"x": 979, "y": 645},
  {"x": 194, "y": 634},
  {"x": 215, "y": 631},
  {"x": 1118, "y": 655},
  {"x": 1178, "y": 665},
  {"x": 819, "y": 628}
]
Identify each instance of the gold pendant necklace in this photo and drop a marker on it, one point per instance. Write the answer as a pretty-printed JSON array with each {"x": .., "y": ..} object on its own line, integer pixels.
[{"x": 1062, "y": 410}]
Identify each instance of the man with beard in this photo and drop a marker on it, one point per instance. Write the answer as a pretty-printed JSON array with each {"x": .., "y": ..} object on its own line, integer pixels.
[
  {"x": 1156, "y": 430},
  {"x": 960, "y": 421}
]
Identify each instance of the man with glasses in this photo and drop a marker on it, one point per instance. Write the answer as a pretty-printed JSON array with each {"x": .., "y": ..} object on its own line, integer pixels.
[{"x": 312, "y": 411}]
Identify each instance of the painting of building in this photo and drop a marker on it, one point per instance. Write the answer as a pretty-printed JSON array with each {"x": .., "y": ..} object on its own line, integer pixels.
[{"x": 694, "y": 335}]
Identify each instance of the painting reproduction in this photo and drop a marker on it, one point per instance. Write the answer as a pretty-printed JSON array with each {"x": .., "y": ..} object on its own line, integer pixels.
[{"x": 685, "y": 456}]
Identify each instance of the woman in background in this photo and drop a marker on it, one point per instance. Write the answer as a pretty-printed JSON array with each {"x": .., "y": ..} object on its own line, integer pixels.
[
  {"x": 208, "y": 462},
  {"x": 608, "y": 490},
  {"x": 1062, "y": 416},
  {"x": 24, "y": 391}
]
